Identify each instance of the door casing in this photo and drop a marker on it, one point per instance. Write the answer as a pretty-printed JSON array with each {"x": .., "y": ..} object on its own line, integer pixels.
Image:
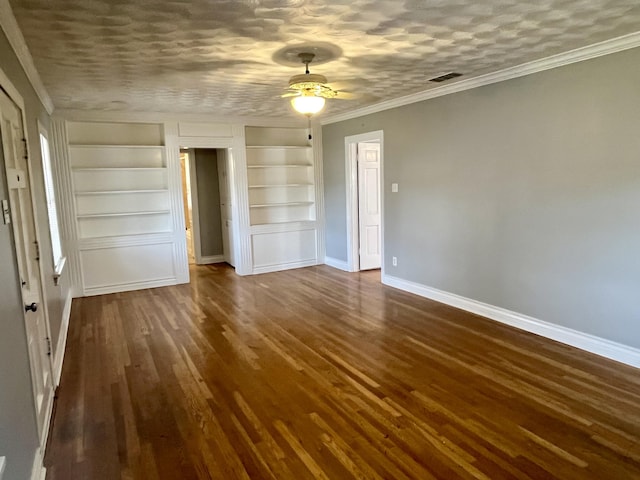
[
  {"x": 47, "y": 365},
  {"x": 351, "y": 181}
]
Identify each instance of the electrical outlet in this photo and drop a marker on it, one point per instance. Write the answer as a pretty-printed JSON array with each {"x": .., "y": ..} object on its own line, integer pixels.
[{"x": 394, "y": 261}]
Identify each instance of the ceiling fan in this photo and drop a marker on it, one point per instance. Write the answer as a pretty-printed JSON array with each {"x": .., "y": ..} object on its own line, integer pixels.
[{"x": 309, "y": 90}]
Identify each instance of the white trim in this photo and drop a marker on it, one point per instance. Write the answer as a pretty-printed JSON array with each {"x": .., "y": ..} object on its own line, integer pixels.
[
  {"x": 351, "y": 183},
  {"x": 2, "y": 465},
  {"x": 38, "y": 472},
  {"x": 295, "y": 121},
  {"x": 126, "y": 287},
  {"x": 335, "y": 263},
  {"x": 584, "y": 341},
  {"x": 67, "y": 212},
  {"x": 11, "y": 29},
  {"x": 62, "y": 341},
  {"x": 606, "y": 47},
  {"x": 211, "y": 259},
  {"x": 284, "y": 266},
  {"x": 318, "y": 180}
]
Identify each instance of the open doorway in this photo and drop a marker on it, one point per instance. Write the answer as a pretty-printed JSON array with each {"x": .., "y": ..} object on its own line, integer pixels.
[
  {"x": 364, "y": 155},
  {"x": 206, "y": 185}
]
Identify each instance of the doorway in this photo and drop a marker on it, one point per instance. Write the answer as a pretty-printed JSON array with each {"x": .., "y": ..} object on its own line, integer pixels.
[
  {"x": 364, "y": 155},
  {"x": 207, "y": 186}
]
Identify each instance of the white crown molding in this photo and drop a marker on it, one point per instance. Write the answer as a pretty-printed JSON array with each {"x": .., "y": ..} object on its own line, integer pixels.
[
  {"x": 584, "y": 341},
  {"x": 74, "y": 115},
  {"x": 10, "y": 27},
  {"x": 606, "y": 47}
]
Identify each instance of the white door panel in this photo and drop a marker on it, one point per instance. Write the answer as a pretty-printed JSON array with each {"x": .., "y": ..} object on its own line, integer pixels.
[
  {"x": 369, "y": 205},
  {"x": 22, "y": 218}
]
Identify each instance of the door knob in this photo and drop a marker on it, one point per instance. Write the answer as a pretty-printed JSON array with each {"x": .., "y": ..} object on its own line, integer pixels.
[{"x": 33, "y": 307}]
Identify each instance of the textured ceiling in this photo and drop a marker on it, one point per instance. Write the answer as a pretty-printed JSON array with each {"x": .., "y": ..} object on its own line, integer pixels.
[{"x": 217, "y": 57}]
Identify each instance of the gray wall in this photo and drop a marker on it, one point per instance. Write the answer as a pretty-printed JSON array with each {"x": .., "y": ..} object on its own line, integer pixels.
[
  {"x": 18, "y": 435},
  {"x": 523, "y": 194},
  {"x": 206, "y": 160}
]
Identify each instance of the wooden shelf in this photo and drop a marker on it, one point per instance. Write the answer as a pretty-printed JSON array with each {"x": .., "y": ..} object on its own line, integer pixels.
[
  {"x": 96, "y": 145},
  {"x": 123, "y": 214},
  {"x": 116, "y": 169},
  {"x": 285, "y": 204},
  {"x": 282, "y": 165},
  {"x": 283, "y": 185},
  {"x": 119, "y": 192},
  {"x": 279, "y": 147}
]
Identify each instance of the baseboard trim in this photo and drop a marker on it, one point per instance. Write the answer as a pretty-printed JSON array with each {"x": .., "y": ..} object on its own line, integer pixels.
[
  {"x": 335, "y": 263},
  {"x": 38, "y": 472},
  {"x": 211, "y": 259},
  {"x": 62, "y": 341},
  {"x": 584, "y": 341},
  {"x": 126, "y": 287},
  {"x": 283, "y": 266}
]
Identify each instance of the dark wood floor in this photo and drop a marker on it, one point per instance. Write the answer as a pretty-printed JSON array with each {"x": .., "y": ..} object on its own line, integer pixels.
[{"x": 319, "y": 374}]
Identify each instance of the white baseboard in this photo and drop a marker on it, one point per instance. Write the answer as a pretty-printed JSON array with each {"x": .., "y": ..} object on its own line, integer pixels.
[
  {"x": 38, "y": 472},
  {"x": 2, "y": 464},
  {"x": 62, "y": 341},
  {"x": 584, "y": 341},
  {"x": 335, "y": 263},
  {"x": 126, "y": 287},
  {"x": 283, "y": 266},
  {"x": 211, "y": 259}
]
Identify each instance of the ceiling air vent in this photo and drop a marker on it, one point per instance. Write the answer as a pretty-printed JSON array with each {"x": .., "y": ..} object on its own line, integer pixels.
[{"x": 446, "y": 76}]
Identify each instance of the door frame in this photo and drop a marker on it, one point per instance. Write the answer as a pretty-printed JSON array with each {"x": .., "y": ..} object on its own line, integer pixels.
[
  {"x": 351, "y": 183},
  {"x": 14, "y": 95},
  {"x": 221, "y": 146}
]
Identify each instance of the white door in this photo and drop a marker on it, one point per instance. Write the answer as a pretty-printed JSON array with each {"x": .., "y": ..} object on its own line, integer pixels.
[
  {"x": 369, "y": 205},
  {"x": 22, "y": 217},
  {"x": 225, "y": 206}
]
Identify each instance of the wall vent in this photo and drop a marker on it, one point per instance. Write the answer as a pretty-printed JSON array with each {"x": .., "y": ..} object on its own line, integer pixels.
[{"x": 446, "y": 76}]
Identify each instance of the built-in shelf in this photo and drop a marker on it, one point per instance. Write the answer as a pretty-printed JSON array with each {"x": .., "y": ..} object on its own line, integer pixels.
[
  {"x": 279, "y": 147},
  {"x": 282, "y": 185},
  {"x": 123, "y": 214},
  {"x": 120, "y": 192},
  {"x": 93, "y": 145},
  {"x": 281, "y": 165},
  {"x": 116, "y": 169},
  {"x": 284, "y": 204}
]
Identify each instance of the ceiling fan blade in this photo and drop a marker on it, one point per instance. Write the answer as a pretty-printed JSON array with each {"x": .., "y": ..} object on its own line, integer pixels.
[{"x": 290, "y": 94}]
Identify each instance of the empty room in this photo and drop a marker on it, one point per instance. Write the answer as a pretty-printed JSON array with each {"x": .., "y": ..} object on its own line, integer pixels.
[{"x": 302, "y": 239}]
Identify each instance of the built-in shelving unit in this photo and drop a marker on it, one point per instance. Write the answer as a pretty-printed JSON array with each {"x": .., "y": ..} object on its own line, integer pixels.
[
  {"x": 280, "y": 176},
  {"x": 119, "y": 189},
  {"x": 122, "y": 205},
  {"x": 282, "y": 193}
]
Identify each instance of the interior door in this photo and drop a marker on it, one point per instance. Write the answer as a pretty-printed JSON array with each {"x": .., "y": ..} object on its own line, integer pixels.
[
  {"x": 225, "y": 206},
  {"x": 369, "y": 205},
  {"x": 22, "y": 216}
]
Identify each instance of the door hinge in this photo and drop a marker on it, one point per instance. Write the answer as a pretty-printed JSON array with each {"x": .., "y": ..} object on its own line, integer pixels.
[
  {"x": 48, "y": 346},
  {"x": 35, "y": 243}
]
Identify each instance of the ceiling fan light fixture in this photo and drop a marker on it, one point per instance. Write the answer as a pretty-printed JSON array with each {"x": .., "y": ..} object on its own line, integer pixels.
[{"x": 307, "y": 104}]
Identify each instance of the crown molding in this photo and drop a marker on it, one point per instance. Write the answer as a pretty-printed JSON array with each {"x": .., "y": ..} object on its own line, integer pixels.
[
  {"x": 10, "y": 27},
  {"x": 154, "y": 117},
  {"x": 606, "y": 47}
]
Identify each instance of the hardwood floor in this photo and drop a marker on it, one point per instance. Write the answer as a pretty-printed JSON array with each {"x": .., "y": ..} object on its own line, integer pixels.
[{"x": 319, "y": 374}]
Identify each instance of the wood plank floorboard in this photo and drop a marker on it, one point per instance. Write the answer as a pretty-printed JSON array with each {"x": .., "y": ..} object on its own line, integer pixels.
[{"x": 320, "y": 374}]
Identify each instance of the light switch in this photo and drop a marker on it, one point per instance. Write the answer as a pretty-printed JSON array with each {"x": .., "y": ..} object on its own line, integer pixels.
[{"x": 394, "y": 188}]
